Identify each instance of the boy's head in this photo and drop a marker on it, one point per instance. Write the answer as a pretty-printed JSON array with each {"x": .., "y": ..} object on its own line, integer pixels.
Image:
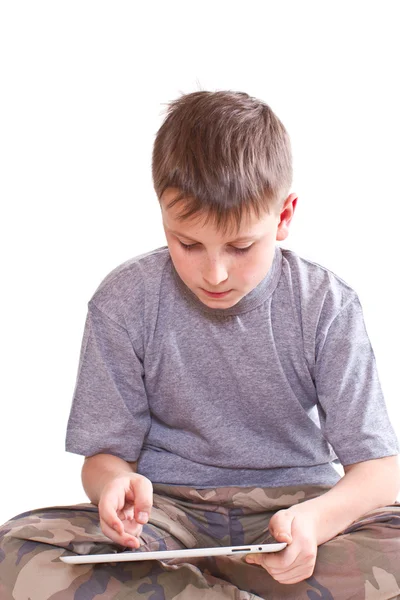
[{"x": 222, "y": 171}]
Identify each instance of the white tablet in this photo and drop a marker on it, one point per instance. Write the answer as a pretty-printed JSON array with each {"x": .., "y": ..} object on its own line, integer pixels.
[{"x": 169, "y": 554}]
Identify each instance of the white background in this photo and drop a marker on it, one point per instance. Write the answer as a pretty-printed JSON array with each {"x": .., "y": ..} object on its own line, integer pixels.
[{"x": 84, "y": 87}]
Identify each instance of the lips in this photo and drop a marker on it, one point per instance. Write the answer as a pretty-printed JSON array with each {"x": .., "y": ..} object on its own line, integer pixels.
[{"x": 216, "y": 294}]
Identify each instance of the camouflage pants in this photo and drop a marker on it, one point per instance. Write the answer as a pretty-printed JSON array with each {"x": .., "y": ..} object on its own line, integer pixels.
[{"x": 362, "y": 562}]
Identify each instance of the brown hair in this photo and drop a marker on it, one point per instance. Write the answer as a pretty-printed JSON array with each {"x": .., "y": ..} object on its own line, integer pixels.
[{"x": 226, "y": 152}]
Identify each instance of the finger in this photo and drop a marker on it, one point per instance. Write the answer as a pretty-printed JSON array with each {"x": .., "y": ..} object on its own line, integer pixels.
[
  {"x": 295, "y": 565},
  {"x": 109, "y": 514},
  {"x": 122, "y": 524},
  {"x": 283, "y": 536},
  {"x": 143, "y": 495},
  {"x": 132, "y": 528},
  {"x": 255, "y": 559},
  {"x": 294, "y": 575},
  {"x": 281, "y": 560},
  {"x": 123, "y": 539},
  {"x": 128, "y": 513},
  {"x": 280, "y": 526}
]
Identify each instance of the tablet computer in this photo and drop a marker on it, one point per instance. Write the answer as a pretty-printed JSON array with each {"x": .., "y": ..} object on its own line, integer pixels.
[{"x": 170, "y": 554}]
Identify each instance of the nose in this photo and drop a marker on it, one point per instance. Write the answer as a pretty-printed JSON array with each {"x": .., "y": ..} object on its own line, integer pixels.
[{"x": 215, "y": 272}]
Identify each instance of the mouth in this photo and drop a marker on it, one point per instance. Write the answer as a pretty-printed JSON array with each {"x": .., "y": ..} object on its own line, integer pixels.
[{"x": 216, "y": 294}]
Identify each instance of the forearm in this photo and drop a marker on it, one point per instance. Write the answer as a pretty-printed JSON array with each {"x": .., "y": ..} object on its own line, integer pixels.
[
  {"x": 99, "y": 469},
  {"x": 365, "y": 486}
]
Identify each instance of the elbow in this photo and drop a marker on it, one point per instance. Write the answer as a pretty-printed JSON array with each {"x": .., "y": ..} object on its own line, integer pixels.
[
  {"x": 396, "y": 479},
  {"x": 391, "y": 480}
]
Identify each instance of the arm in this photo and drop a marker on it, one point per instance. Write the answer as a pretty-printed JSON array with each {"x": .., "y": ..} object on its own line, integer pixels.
[
  {"x": 364, "y": 487},
  {"x": 124, "y": 497},
  {"x": 354, "y": 420},
  {"x": 110, "y": 413},
  {"x": 100, "y": 469}
]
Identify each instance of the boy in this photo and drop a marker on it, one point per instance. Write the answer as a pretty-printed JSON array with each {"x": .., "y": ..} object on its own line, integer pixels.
[{"x": 221, "y": 378}]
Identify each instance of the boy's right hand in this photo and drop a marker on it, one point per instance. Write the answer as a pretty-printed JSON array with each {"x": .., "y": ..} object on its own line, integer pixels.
[{"x": 124, "y": 507}]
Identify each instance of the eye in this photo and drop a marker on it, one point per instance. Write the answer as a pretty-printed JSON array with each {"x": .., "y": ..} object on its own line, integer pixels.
[
  {"x": 241, "y": 250},
  {"x": 234, "y": 248},
  {"x": 187, "y": 246}
]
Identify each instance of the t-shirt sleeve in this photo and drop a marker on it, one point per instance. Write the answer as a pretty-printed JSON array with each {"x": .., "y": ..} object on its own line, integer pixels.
[
  {"x": 109, "y": 412},
  {"x": 353, "y": 413}
]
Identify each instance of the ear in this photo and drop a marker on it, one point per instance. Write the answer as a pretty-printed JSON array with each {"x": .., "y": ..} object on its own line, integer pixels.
[{"x": 286, "y": 216}]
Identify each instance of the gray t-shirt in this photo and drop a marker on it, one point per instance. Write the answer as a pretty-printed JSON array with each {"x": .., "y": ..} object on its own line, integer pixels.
[{"x": 269, "y": 392}]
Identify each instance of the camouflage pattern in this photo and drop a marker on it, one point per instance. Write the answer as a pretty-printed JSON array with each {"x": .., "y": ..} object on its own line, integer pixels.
[{"x": 363, "y": 562}]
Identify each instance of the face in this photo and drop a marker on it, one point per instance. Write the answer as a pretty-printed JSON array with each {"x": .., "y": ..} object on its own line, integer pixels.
[{"x": 231, "y": 264}]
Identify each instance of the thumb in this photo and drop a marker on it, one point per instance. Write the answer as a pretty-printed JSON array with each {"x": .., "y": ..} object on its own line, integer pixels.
[
  {"x": 280, "y": 526},
  {"x": 143, "y": 498}
]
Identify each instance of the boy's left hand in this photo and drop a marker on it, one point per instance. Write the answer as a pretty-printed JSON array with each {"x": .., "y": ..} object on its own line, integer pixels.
[{"x": 297, "y": 561}]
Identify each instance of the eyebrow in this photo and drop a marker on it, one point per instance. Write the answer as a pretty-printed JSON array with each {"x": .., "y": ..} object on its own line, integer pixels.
[{"x": 244, "y": 238}]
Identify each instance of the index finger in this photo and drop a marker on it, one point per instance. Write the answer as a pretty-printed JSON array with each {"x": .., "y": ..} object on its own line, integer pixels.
[
  {"x": 273, "y": 560},
  {"x": 108, "y": 512},
  {"x": 123, "y": 539}
]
